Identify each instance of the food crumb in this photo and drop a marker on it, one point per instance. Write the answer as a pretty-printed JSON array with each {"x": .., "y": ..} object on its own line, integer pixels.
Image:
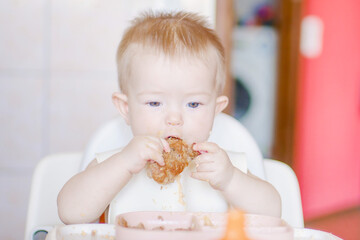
[
  {"x": 180, "y": 191},
  {"x": 140, "y": 226},
  {"x": 159, "y": 228},
  {"x": 207, "y": 221},
  {"x": 122, "y": 222},
  {"x": 107, "y": 236}
]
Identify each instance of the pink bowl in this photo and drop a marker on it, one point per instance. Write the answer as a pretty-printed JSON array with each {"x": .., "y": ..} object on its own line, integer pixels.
[{"x": 190, "y": 225}]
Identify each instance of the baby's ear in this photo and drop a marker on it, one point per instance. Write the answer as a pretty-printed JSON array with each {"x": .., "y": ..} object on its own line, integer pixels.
[
  {"x": 120, "y": 101},
  {"x": 221, "y": 103}
]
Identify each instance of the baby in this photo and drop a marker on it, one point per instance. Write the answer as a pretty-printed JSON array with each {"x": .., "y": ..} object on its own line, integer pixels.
[{"x": 171, "y": 75}]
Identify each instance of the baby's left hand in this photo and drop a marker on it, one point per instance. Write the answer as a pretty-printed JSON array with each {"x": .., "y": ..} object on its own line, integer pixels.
[{"x": 213, "y": 165}]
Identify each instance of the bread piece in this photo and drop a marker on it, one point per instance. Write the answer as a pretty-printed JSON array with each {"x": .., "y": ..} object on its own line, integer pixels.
[{"x": 175, "y": 161}]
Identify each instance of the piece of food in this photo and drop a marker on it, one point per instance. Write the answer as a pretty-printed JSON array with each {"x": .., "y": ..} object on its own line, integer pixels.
[
  {"x": 235, "y": 227},
  {"x": 175, "y": 161}
]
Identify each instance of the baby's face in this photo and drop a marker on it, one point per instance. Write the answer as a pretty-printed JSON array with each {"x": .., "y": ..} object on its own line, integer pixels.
[{"x": 172, "y": 97}]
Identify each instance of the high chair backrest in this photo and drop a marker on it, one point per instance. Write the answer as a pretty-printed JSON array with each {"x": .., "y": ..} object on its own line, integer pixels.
[
  {"x": 50, "y": 175},
  {"x": 283, "y": 178}
]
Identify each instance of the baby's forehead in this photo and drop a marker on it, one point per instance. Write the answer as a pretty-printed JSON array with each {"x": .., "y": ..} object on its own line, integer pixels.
[
  {"x": 150, "y": 59},
  {"x": 138, "y": 52},
  {"x": 163, "y": 72}
]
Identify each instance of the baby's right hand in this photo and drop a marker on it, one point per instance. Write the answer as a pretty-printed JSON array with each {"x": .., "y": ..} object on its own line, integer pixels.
[{"x": 142, "y": 149}]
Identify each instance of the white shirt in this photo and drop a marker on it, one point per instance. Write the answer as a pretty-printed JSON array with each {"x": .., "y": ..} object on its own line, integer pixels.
[{"x": 185, "y": 194}]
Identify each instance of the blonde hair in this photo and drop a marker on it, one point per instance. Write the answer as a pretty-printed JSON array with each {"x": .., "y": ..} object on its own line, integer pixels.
[{"x": 174, "y": 34}]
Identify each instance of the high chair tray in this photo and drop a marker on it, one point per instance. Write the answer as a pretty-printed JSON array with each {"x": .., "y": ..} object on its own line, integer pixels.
[
  {"x": 196, "y": 225},
  {"x": 175, "y": 225}
]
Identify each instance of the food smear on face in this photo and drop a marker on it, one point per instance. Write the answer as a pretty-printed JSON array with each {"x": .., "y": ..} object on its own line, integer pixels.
[{"x": 175, "y": 161}]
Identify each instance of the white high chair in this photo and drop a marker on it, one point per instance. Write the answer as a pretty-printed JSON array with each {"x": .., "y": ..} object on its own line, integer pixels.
[{"x": 53, "y": 171}]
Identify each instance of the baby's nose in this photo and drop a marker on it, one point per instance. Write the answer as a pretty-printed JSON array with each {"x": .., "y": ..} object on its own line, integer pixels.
[{"x": 174, "y": 119}]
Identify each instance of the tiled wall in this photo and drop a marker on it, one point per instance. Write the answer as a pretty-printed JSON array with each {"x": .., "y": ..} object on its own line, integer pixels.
[{"x": 57, "y": 73}]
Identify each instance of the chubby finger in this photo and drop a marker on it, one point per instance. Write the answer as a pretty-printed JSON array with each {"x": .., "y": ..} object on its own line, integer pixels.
[
  {"x": 203, "y": 158},
  {"x": 165, "y": 145},
  {"x": 157, "y": 158},
  {"x": 155, "y": 152},
  {"x": 162, "y": 144},
  {"x": 160, "y": 161},
  {"x": 206, "y": 147},
  {"x": 204, "y": 176},
  {"x": 205, "y": 167},
  {"x": 155, "y": 146}
]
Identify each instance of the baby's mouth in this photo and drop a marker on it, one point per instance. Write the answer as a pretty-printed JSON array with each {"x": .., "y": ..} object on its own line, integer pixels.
[
  {"x": 173, "y": 136},
  {"x": 190, "y": 143}
]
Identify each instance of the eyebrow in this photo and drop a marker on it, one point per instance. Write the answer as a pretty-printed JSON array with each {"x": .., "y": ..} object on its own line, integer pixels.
[{"x": 149, "y": 93}]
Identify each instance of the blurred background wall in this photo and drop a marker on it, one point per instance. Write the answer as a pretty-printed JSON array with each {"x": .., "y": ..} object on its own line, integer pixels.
[{"x": 327, "y": 133}]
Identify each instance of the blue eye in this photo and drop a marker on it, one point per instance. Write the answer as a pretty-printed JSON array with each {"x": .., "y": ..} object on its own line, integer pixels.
[
  {"x": 154, "y": 104},
  {"x": 193, "y": 104}
]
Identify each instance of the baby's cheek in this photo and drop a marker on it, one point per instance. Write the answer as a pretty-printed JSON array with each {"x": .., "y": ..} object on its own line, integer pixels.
[
  {"x": 145, "y": 125},
  {"x": 200, "y": 134},
  {"x": 150, "y": 130},
  {"x": 141, "y": 128}
]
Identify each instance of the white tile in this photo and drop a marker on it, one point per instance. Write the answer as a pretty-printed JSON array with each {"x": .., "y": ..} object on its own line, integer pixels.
[
  {"x": 85, "y": 34},
  {"x": 15, "y": 190},
  {"x": 80, "y": 102},
  {"x": 22, "y": 34},
  {"x": 20, "y": 119}
]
